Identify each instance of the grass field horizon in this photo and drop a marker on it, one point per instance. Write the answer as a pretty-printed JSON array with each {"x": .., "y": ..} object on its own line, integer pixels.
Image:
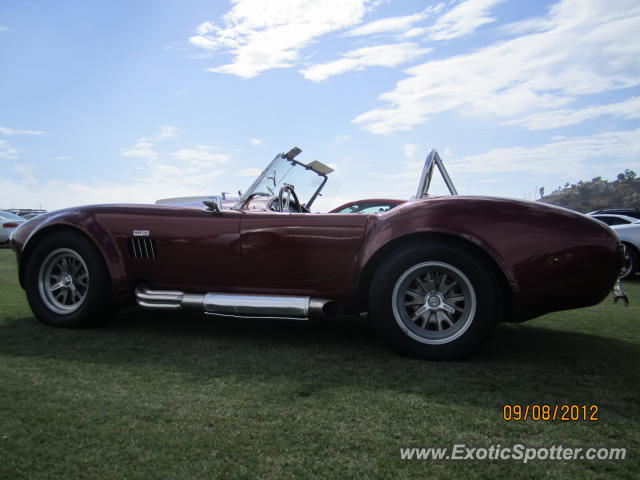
[{"x": 184, "y": 396}]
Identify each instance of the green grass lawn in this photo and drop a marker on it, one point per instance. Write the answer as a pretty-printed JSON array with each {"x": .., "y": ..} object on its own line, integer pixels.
[{"x": 158, "y": 396}]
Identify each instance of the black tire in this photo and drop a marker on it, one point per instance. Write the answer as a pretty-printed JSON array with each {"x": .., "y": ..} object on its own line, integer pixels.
[
  {"x": 95, "y": 306},
  {"x": 631, "y": 263},
  {"x": 477, "y": 283}
]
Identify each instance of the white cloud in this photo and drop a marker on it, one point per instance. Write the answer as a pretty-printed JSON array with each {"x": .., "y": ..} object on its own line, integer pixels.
[
  {"x": 627, "y": 109},
  {"x": 185, "y": 172},
  {"x": 28, "y": 173},
  {"x": 165, "y": 132},
  {"x": 142, "y": 149},
  {"x": 5, "y": 29},
  {"x": 201, "y": 156},
  {"x": 145, "y": 146},
  {"x": 463, "y": 19},
  {"x": 410, "y": 150},
  {"x": 249, "y": 172},
  {"x": 255, "y": 142},
  {"x": 24, "y": 169},
  {"x": 265, "y": 35},
  {"x": 31, "y": 193},
  {"x": 530, "y": 25},
  {"x": 586, "y": 49},
  {"x": 7, "y": 151},
  {"x": 206, "y": 27},
  {"x": 582, "y": 157},
  {"x": 566, "y": 156},
  {"x": 340, "y": 139},
  {"x": 11, "y": 131},
  {"x": 389, "y": 24},
  {"x": 378, "y": 56}
]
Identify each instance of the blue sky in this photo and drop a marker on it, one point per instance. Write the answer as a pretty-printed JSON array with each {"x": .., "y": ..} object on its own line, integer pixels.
[{"x": 120, "y": 101}]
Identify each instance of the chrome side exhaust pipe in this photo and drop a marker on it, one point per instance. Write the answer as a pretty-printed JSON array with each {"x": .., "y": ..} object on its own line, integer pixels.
[{"x": 239, "y": 305}]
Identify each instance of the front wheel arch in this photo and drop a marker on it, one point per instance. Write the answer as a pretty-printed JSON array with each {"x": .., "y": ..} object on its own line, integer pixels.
[
  {"x": 71, "y": 262},
  {"x": 44, "y": 233}
]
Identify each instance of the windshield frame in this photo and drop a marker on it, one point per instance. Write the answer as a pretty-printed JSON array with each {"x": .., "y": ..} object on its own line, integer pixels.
[{"x": 252, "y": 189}]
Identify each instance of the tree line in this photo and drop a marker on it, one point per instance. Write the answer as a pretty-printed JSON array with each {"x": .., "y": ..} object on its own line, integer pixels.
[{"x": 624, "y": 192}]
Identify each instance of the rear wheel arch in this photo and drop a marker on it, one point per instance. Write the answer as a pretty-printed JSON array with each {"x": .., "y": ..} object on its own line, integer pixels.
[
  {"x": 424, "y": 238},
  {"x": 435, "y": 301}
]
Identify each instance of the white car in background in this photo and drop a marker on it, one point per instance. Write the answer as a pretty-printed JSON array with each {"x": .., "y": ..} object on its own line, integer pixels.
[
  {"x": 630, "y": 235},
  {"x": 8, "y": 223},
  {"x": 612, "y": 219},
  {"x": 26, "y": 213}
]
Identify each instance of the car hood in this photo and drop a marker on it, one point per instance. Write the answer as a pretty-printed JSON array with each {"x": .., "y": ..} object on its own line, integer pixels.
[{"x": 84, "y": 216}]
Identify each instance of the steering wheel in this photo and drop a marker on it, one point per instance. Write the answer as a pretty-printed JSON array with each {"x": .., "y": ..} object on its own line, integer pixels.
[{"x": 284, "y": 199}]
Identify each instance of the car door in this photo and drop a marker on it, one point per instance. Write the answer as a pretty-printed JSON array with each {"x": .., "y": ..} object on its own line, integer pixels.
[{"x": 299, "y": 250}]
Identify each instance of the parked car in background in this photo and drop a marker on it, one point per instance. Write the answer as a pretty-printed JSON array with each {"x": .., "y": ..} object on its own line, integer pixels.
[
  {"x": 614, "y": 219},
  {"x": 368, "y": 206},
  {"x": 629, "y": 234},
  {"x": 26, "y": 213},
  {"x": 629, "y": 212},
  {"x": 8, "y": 223}
]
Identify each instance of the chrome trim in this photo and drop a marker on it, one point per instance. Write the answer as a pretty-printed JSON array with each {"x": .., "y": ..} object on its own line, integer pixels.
[
  {"x": 256, "y": 305},
  {"x": 319, "y": 307},
  {"x": 65, "y": 291},
  {"x": 141, "y": 248},
  {"x": 430, "y": 299},
  {"x": 261, "y": 317},
  {"x": 238, "y": 305},
  {"x": 433, "y": 160}
]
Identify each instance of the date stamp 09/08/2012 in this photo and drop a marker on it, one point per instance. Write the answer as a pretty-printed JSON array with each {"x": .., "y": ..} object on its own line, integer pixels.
[{"x": 550, "y": 413}]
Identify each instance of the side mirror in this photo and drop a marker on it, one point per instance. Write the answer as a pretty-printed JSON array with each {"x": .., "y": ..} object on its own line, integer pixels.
[{"x": 214, "y": 205}]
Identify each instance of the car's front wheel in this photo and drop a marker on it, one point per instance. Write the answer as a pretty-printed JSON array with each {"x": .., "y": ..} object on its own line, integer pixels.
[
  {"x": 435, "y": 302},
  {"x": 66, "y": 282}
]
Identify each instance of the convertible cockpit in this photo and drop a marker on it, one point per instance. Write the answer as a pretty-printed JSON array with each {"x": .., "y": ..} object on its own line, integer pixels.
[{"x": 286, "y": 185}]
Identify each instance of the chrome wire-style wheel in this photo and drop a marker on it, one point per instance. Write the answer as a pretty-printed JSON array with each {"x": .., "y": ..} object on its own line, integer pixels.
[
  {"x": 63, "y": 281},
  {"x": 433, "y": 302}
]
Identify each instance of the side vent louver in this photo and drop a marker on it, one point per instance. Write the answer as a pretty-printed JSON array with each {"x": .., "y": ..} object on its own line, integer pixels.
[{"x": 142, "y": 247}]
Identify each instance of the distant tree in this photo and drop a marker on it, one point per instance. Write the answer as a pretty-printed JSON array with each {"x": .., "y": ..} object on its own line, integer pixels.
[{"x": 598, "y": 193}]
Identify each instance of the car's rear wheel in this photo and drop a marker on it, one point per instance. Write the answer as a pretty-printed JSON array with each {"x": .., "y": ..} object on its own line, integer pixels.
[
  {"x": 435, "y": 302},
  {"x": 67, "y": 283},
  {"x": 630, "y": 263}
]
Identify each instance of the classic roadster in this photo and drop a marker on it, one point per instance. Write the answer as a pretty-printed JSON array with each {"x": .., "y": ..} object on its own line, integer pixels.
[{"x": 435, "y": 274}]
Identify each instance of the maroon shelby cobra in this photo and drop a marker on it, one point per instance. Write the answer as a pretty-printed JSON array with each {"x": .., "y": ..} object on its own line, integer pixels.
[{"x": 435, "y": 274}]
